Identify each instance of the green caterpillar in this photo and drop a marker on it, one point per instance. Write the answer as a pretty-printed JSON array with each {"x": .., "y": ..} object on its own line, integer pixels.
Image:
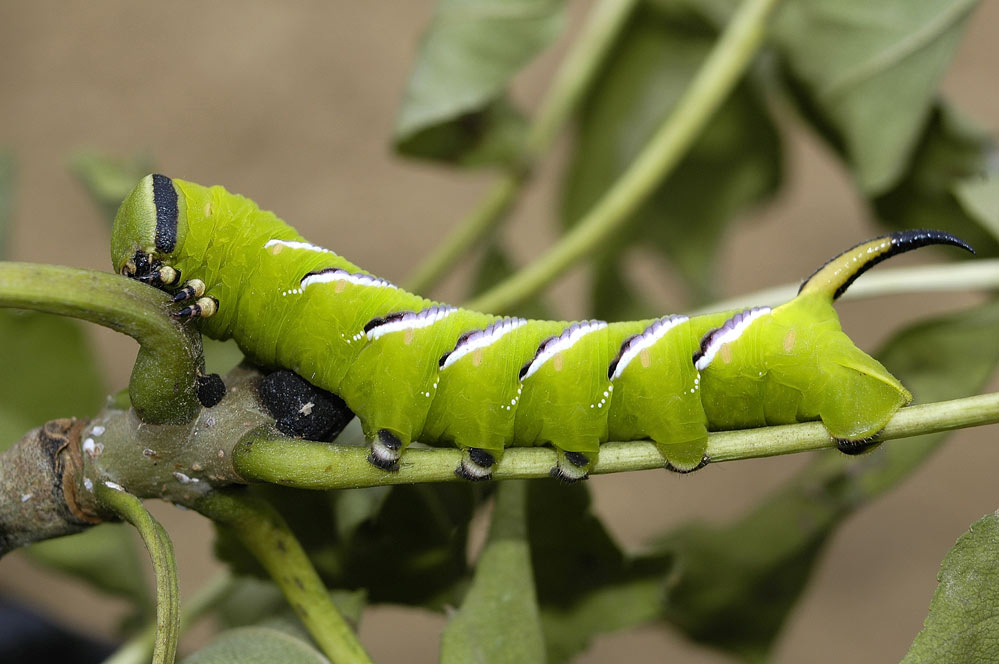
[{"x": 413, "y": 369}]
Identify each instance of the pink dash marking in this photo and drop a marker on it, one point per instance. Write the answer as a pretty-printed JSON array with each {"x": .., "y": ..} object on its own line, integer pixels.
[
  {"x": 569, "y": 337},
  {"x": 648, "y": 338},
  {"x": 473, "y": 341},
  {"x": 411, "y": 321},
  {"x": 730, "y": 330}
]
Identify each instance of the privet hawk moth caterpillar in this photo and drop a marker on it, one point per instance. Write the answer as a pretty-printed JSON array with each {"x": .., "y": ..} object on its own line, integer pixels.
[{"x": 413, "y": 369}]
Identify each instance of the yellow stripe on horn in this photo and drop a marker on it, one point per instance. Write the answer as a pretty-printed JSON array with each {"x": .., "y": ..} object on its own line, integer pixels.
[{"x": 838, "y": 273}]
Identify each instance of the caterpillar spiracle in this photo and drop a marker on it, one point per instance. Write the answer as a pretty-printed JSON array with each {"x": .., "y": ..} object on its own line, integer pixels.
[{"x": 414, "y": 369}]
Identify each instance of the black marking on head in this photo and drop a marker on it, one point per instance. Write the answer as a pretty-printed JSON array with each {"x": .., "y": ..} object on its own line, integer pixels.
[
  {"x": 541, "y": 348},
  {"x": 705, "y": 460},
  {"x": 302, "y": 410},
  {"x": 901, "y": 242},
  {"x": 389, "y": 439},
  {"x": 625, "y": 346},
  {"x": 165, "y": 201},
  {"x": 480, "y": 457},
  {"x": 577, "y": 459},
  {"x": 211, "y": 389},
  {"x": 383, "y": 320}
]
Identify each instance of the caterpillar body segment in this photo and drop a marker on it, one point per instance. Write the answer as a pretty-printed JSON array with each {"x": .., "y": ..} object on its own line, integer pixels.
[{"x": 414, "y": 369}]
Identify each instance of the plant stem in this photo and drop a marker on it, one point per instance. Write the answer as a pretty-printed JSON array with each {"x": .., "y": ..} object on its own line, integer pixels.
[
  {"x": 162, "y": 387},
  {"x": 262, "y": 456},
  {"x": 264, "y": 532},
  {"x": 968, "y": 275},
  {"x": 157, "y": 542},
  {"x": 573, "y": 79},
  {"x": 712, "y": 84},
  {"x": 137, "y": 649}
]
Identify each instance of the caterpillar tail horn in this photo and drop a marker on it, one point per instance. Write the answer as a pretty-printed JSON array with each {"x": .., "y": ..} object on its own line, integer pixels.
[{"x": 838, "y": 273}]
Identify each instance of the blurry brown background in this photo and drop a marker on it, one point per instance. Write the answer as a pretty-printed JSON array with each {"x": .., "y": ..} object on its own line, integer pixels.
[{"x": 293, "y": 105}]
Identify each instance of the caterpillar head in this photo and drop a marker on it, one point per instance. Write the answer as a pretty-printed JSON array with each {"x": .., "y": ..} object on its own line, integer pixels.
[{"x": 147, "y": 233}]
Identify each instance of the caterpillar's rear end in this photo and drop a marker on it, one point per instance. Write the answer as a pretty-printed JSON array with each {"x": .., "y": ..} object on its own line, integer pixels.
[{"x": 414, "y": 369}]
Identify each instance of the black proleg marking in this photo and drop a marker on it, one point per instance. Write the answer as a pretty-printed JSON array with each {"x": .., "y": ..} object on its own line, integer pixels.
[{"x": 165, "y": 201}]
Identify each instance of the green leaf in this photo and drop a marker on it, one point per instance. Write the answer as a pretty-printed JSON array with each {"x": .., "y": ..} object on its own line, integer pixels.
[
  {"x": 871, "y": 70},
  {"x": 455, "y": 107},
  {"x": 48, "y": 372},
  {"x": 108, "y": 179},
  {"x": 256, "y": 645},
  {"x": 979, "y": 197},
  {"x": 734, "y": 165},
  {"x": 585, "y": 583},
  {"x": 498, "y": 620},
  {"x": 963, "y": 625},
  {"x": 258, "y": 602},
  {"x": 410, "y": 551},
  {"x": 733, "y": 585},
  {"x": 492, "y": 135},
  {"x": 953, "y": 156},
  {"x": 6, "y": 198},
  {"x": 105, "y": 556}
]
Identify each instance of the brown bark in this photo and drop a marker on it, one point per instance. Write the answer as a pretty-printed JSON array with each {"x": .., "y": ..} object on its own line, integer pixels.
[{"x": 39, "y": 477}]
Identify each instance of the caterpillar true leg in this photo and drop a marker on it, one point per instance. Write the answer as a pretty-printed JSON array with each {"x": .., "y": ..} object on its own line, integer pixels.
[
  {"x": 193, "y": 288},
  {"x": 203, "y": 307}
]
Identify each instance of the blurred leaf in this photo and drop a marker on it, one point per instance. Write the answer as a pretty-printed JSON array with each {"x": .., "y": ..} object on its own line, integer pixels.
[
  {"x": 498, "y": 620},
  {"x": 980, "y": 199},
  {"x": 256, "y": 645},
  {"x": 585, "y": 584},
  {"x": 963, "y": 625},
  {"x": 733, "y": 585},
  {"x": 633, "y": 600},
  {"x": 7, "y": 174},
  {"x": 951, "y": 153},
  {"x": 105, "y": 556},
  {"x": 492, "y": 135},
  {"x": 494, "y": 267},
  {"x": 108, "y": 179},
  {"x": 358, "y": 506},
  {"x": 734, "y": 165},
  {"x": 410, "y": 551},
  {"x": 871, "y": 71},
  {"x": 48, "y": 372},
  {"x": 455, "y": 107},
  {"x": 260, "y": 603}
]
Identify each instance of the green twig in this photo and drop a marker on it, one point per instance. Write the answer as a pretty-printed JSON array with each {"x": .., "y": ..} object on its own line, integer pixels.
[
  {"x": 263, "y": 531},
  {"x": 262, "y": 456},
  {"x": 712, "y": 84},
  {"x": 572, "y": 80},
  {"x": 157, "y": 542},
  {"x": 138, "y": 649},
  {"x": 965, "y": 276},
  {"x": 162, "y": 387}
]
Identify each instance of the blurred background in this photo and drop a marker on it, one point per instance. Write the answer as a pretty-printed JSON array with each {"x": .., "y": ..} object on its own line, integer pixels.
[{"x": 294, "y": 105}]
